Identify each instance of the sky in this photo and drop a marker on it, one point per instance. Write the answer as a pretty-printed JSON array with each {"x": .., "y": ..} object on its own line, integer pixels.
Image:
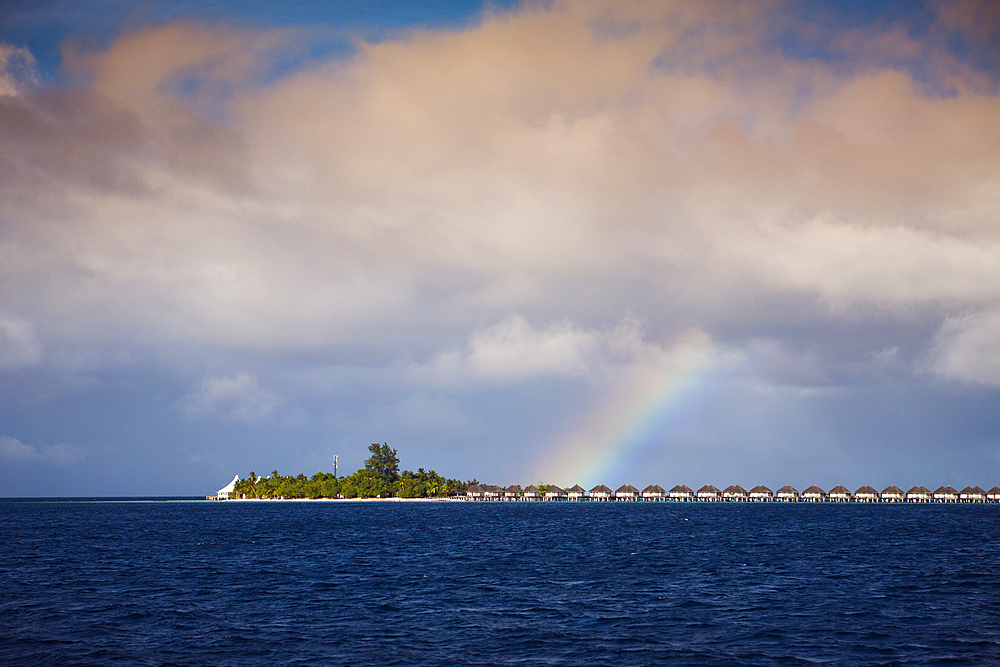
[{"x": 586, "y": 242}]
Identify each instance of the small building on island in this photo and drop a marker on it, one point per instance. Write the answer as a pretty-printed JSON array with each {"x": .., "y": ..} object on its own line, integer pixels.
[
  {"x": 946, "y": 494},
  {"x": 512, "y": 492},
  {"x": 919, "y": 494},
  {"x": 866, "y": 494},
  {"x": 474, "y": 492},
  {"x": 734, "y": 493},
  {"x": 682, "y": 493},
  {"x": 761, "y": 494},
  {"x": 814, "y": 494},
  {"x": 972, "y": 494},
  {"x": 654, "y": 492},
  {"x": 600, "y": 493},
  {"x": 839, "y": 494},
  {"x": 531, "y": 493},
  {"x": 225, "y": 492},
  {"x": 993, "y": 495},
  {"x": 709, "y": 494},
  {"x": 576, "y": 492},
  {"x": 627, "y": 492},
  {"x": 787, "y": 494},
  {"x": 553, "y": 492},
  {"x": 892, "y": 494}
]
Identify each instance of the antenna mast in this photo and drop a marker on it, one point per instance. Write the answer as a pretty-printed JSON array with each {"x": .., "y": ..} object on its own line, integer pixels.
[{"x": 334, "y": 465}]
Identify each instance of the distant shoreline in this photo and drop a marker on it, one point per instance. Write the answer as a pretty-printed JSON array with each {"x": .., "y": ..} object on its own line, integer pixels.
[
  {"x": 352, "y": 500},
  {"x": 613, "y": 501}
]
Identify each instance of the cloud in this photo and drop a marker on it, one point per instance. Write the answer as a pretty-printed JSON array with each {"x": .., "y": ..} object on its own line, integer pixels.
[
  {"x": 148, "y": 68},
  {"x": 17, "y": 69},
  {"x": 966, "y": 349},
  {"x": 476, "y": 207},
  {"x": 574, "y": 162},
  {"x": 238, "y": 398},
  {"x": 513, "y": 350},
  {"x": 61, "y": 454},
  {"x": 19, "y": 347}
]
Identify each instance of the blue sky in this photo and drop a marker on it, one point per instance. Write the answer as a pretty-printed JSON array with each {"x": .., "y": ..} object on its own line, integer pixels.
[{"x": 562, "y": 242}]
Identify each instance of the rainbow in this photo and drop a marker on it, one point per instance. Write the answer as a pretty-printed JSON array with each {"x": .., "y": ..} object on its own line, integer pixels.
[{"x": 621, "y": 424}]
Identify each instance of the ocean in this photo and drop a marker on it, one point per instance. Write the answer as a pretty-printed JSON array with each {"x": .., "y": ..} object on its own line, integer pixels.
[{"x": 453, "y": 583}]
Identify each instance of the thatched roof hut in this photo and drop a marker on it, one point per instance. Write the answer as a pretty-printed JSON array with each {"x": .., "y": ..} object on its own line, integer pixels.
[
  {"x": 576, "y": 492},
  {"x": 554, "y": 493},
  {"x": 600, "y": 492},
  {"x": 709, "y": 493},
  {"x": 946, "y": 494},
  {"x": 919, "y": 494},
  {"x": 626, "y": 492},
  {"x": 761, "y": 493},
  {"x": 734, "y": 492},
  {"x": 681, "y": 492},
  {"x": 787, "y": 494},
  {"x": 654, "y": 492},
  {"x": 814, "y": 494},
  {"x": 972, "y": 494},
  {"x": 866, "y": 494},
  {"x": 892, "y": 494},
  {"x": 839, "y": 494}
]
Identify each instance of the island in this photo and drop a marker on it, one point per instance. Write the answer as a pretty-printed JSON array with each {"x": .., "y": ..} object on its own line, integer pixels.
[{"x": 379, "y": 478}]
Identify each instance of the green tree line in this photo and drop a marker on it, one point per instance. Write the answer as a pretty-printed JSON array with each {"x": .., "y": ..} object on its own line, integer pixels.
[{"x": 379, "y": 478}]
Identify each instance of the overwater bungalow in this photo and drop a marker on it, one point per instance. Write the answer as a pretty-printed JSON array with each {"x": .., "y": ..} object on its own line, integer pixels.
[
  {"x": 474, "y": 492},
  {"x": 627, "y": 492},
  {"x": 787, "y": 494},
  {"x": 531, "y": 493},
  {"x": 576, "y": 492},
  {"x": 512, "y": 492},
  {"x": 682, "y": 493},
  {"x": 839, "y": 494},
  {"x": 946, "y": 494},
  {"x": 761, "y": 494},
  {"x": 919, "y": 494},
  {"x": 734, "y": 493},
  {"x": 814, "y": 494},
  {"x": 866, "y": 494},
  {"x": 492, "y": 492},
  {"x": 709, "y": 493},
  {"x": 654, "y": 492},
  {"x": 600, "y": 493},
  {"x": 993, "y": 495},
  {"x": 972, "y": 494},
  {"x": 892, "y": 494},
  {"x": 555, "y": 493}
]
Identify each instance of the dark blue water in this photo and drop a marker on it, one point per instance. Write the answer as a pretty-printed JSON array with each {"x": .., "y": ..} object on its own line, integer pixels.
[{"x": 339, "y": 583}]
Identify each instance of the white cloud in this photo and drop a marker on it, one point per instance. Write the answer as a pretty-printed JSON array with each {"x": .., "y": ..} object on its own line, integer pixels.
[
  {"x": 967, "y": 348},
  {"x": 514, "y": 350},
  {"x": 17, "y": 67},
  {"x": 532, "y": 163},
  {"x": 19, "y": 347},
  {"x": 238, "y": 398},
  {"x": 851, "y": 264},
  {"x": 61, "y": 454}
]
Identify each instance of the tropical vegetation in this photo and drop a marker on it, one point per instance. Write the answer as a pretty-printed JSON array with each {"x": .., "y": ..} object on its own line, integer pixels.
[{"x": 379, "y": 478}]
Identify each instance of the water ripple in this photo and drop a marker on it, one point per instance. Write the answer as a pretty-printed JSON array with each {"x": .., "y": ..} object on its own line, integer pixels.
[{"x": 501, "y": 584}]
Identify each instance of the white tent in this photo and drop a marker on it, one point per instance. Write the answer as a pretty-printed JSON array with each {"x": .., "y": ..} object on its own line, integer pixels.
[{"x": 228, "y": 488}]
